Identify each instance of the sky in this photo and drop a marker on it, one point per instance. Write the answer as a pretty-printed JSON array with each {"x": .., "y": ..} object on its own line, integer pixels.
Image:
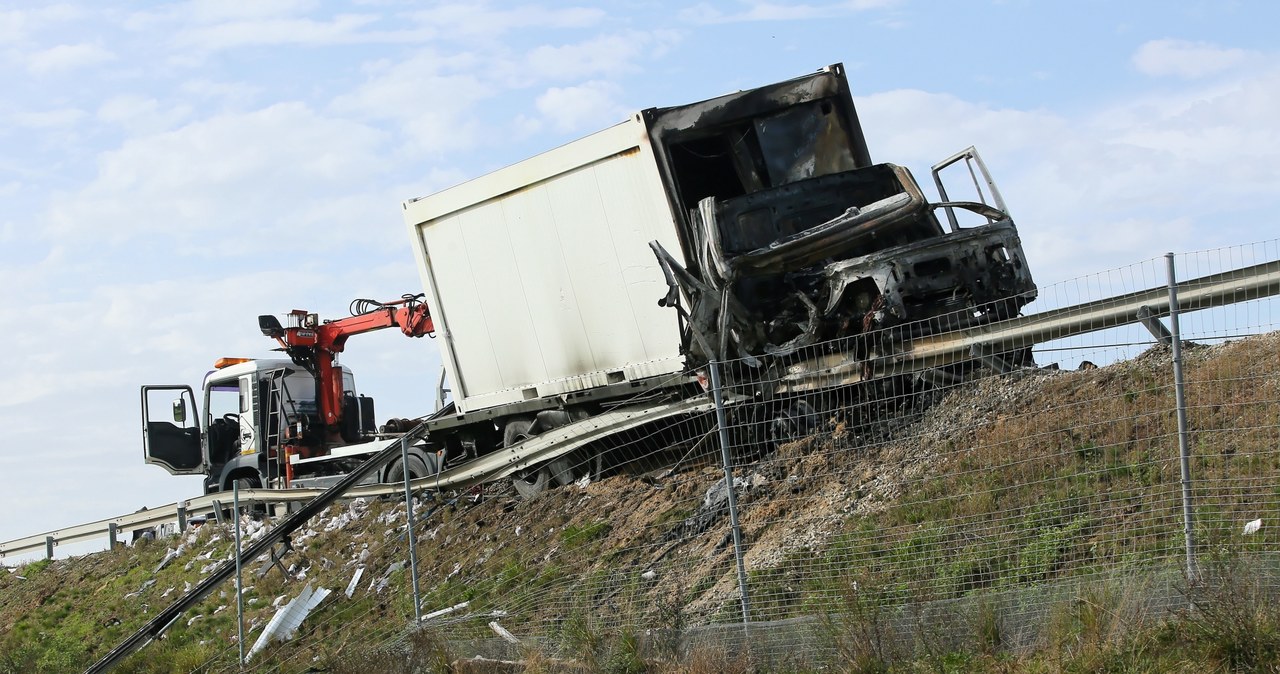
[{"x": 169, "y": 171}]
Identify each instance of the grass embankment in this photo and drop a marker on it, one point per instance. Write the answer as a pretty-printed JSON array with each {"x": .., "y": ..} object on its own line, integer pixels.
[{"x": 1006, "y": 484}]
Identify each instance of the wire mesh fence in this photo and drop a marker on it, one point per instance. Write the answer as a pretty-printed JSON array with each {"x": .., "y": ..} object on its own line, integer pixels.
[{"x": 894, "y": 493}]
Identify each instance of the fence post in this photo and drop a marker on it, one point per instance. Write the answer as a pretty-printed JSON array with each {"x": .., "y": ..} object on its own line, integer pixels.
[
  {"x": 182, "y": 519},
  {"x": 728, "y": 481},
  {"x": 413, "y": 552},
  {"x": 1180, "y": 397},
  {"x": 48, "y": 547},
  {"x": 235, "y": 498},
  {"x": 112, "y": 529}
]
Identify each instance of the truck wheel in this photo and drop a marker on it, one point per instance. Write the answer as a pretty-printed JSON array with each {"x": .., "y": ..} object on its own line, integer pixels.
[
  {"x": 418, "y": 467},
  {"x": 532, "y": 483},
  {"x": 516, "y": 430}
]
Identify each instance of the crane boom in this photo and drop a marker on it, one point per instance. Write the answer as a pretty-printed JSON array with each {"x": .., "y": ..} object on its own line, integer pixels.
[{"x": 314, "y": 345}]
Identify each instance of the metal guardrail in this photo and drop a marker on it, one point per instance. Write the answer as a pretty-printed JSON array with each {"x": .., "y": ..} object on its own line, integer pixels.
[
  {"x": 923, "y": 353},
  {"x": 180, "y": 512}
]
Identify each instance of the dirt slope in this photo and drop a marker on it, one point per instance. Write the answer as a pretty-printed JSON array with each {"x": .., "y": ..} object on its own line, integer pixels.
[{"x": 968, "y": 487}]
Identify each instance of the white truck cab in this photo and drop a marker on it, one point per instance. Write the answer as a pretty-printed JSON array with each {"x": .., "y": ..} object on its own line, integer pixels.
[{"x": 251, "y": 406}]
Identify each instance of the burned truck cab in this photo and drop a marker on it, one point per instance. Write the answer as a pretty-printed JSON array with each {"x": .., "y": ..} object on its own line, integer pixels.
[{"x": 792, "y": 237}]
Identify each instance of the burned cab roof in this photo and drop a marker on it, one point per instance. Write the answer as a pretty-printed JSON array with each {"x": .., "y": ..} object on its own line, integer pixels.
[{"x": 757, "y": 139}]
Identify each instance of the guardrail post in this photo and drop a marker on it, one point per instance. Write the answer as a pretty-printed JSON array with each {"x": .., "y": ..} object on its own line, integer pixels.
[
  {"x": 413, "y": 552},
  {"x": 182, "y": 519},
  {"x": 728, "y": 482},
  {"x": 48, "y": 547},
  {"x": 235, "y": 497},
  {"x": 111, "y": 535},
  {"x": 1184, "y": 451}
]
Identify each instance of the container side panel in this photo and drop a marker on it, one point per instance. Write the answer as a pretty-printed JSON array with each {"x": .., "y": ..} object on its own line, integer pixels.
[
  {"x": 465, "y": 289},
  {"x": 546, "y": 287},
  {"x": 615, "y": 269},
  {"x": 552, "y": 288}
]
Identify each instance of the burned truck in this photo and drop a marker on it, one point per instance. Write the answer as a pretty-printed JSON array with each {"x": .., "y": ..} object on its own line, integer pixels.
[
  {"x": 752, "y": 227},
  {"x": 791, "y": 236}
]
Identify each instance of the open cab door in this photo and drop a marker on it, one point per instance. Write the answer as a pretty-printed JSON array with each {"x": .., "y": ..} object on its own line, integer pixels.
[{"x": 171, "y": 429}]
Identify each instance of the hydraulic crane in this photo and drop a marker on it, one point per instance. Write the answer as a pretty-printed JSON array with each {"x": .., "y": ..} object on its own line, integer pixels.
[{"x": 314, "y": 345}]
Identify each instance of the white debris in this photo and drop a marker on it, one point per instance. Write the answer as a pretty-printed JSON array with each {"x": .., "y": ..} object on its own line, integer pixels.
[
  {"x": 208, "y": 568},
  {"x": 1253, "y": 527},
  {"x": 278, "y": 600},
  {"x": 194, "y": 618},
  {"x": 166, "y": 593},
  {"x": 285, "y": 623},
  {"x": 351, "y": 587},
  {"x": 186, "y": 587},
  {"x": 517, "y": 531},
  {"x": 386, "y": 577},
  {"x": 502, "y": 632},
  {"x": 220, "y": 609},
  {"x": 649, "y": 575},
  {"x": 445, "y": 611},
  {"x": 583, "y": 482}
]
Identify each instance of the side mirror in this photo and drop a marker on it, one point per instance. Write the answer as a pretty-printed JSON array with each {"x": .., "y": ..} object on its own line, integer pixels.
[{"x": 180, "y": 411}]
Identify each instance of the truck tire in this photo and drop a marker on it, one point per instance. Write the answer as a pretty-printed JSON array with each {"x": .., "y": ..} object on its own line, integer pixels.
[
  {"x": 536, "y": 480},
  {"x": 420, "y": 465},
  {"x": 532, "y": 483}
]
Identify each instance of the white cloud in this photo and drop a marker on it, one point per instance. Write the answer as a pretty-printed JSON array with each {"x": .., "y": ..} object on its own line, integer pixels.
[
  {"x": 342, "y": 29},
  {"x": 17, "y": 25},
  {"x": 47, "y": 119},
  {"x": 758, "y": 10},
  {"x": 1186, "y": 59},
  {"x": 470, "y": 21},
  {"x": 67, "y": 57},
  {"x": 140, "y": 114},
  {"x": 429, "y": 95},
  {"x": 245, "y": 172},
  {"x": 601, "y": 55},
  {"x": 588, "y": 106}
]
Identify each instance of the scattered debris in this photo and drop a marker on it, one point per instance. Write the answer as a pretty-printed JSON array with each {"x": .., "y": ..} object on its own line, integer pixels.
[
  {"x": 1252, "y": 527},
  {"x": 445, "y": 611},
  {"x": 503, "y": 633},
  {"x": 285, "y": 623},
  {"x": 351, "y": 587},
  {"x": 145, "y": 585},
  {"x": 381, "y": 583}
]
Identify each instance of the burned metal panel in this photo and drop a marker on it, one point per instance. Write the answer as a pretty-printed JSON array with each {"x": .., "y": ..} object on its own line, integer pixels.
[
  {"x": 758, "y": 139},
  {"x": 774, "y": 272}
]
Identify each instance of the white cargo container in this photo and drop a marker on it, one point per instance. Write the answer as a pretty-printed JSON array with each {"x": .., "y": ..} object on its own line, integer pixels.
[{"x": 540, "y": 278}]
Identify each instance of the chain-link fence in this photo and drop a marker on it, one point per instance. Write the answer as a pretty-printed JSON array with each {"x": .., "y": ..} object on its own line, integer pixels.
[{"x": 889, "y": 494}]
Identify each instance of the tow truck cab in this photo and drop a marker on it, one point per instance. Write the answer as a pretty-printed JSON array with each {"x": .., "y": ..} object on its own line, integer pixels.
[{"x": 252, "y": 409}]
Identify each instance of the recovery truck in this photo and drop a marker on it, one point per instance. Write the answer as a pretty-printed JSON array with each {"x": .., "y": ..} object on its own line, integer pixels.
[{"x": 577, "y": 295}]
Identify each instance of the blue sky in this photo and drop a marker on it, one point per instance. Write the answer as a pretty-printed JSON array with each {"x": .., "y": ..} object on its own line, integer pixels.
[{"x": 170, "y": 171}]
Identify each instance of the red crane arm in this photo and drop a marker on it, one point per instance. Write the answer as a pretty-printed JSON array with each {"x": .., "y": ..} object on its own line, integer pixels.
[{"x": 308, "y": 340}]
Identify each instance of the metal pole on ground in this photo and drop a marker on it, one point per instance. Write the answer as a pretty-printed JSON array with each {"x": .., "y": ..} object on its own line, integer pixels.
[
  {"x": 1180, "y": 397},
  {"x": 413, "y": 547},
  {"x": 728, "y": 481},
  {"x": 235, "y": 498}
]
